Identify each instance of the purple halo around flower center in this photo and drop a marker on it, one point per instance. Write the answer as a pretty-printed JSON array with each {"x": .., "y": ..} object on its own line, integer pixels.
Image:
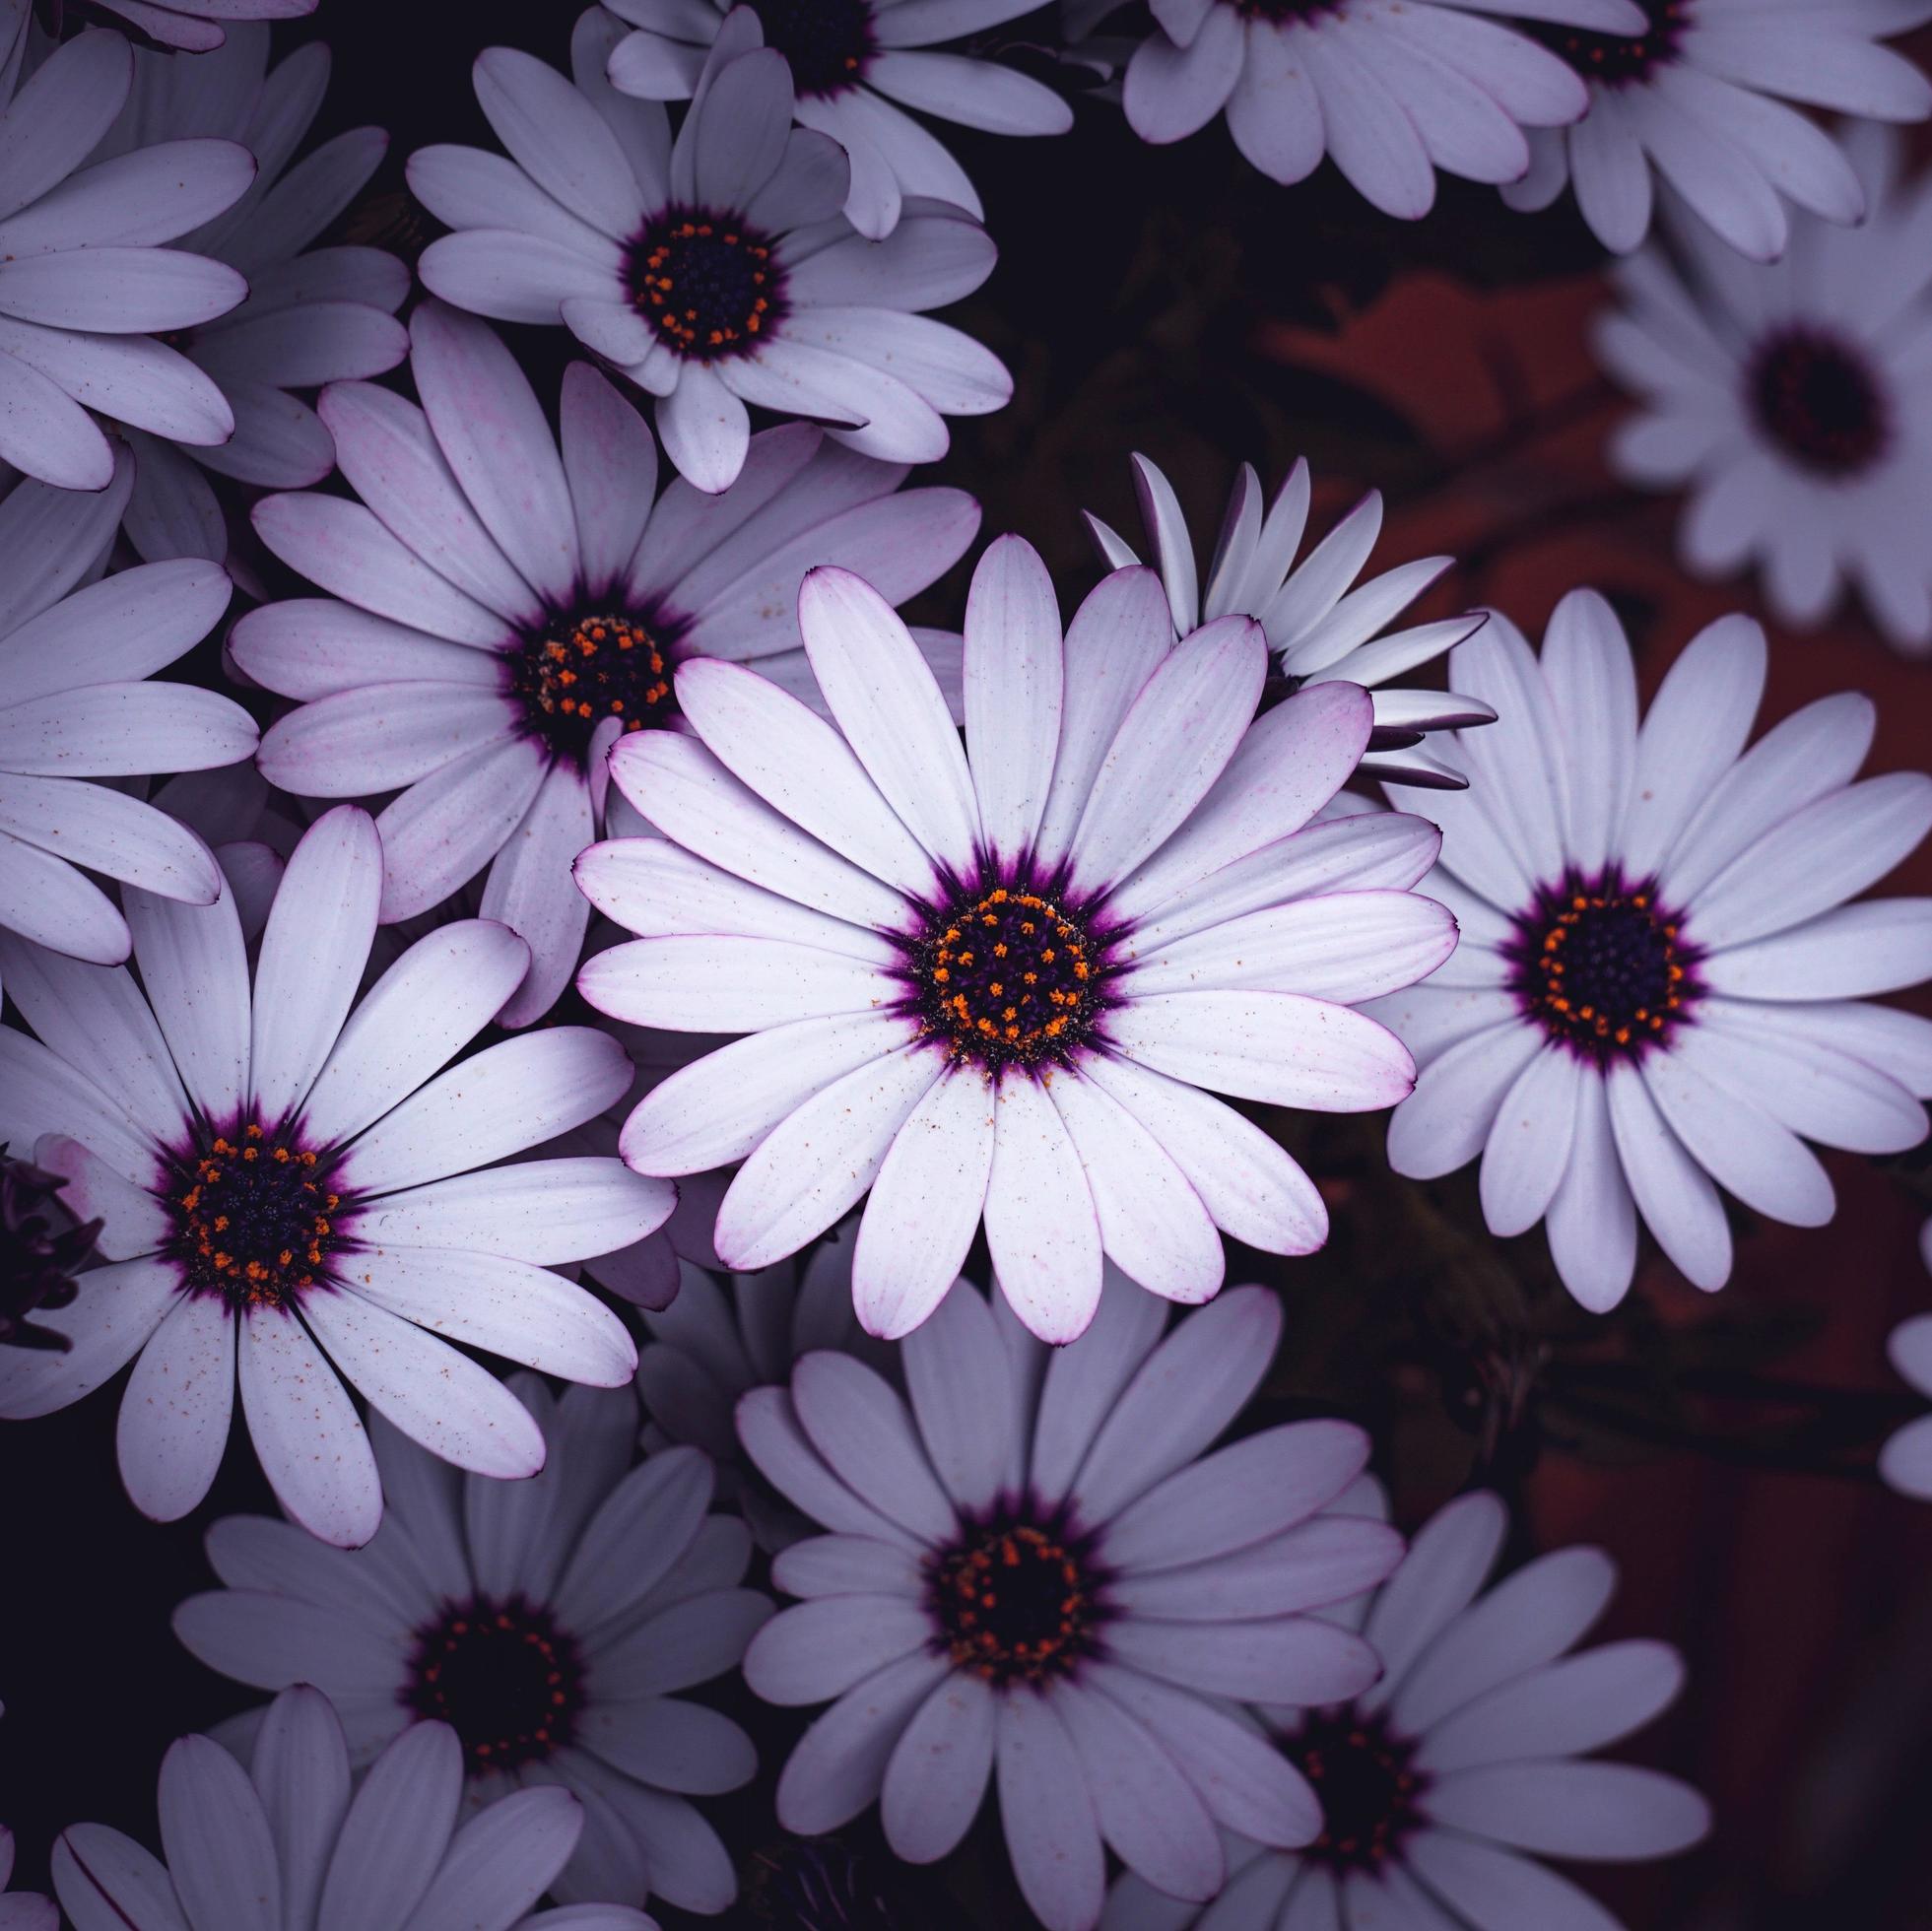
[
  {"x": 1816, "y": 399},
  {"x": 827, "y": 43},
  {"x": 1366, "y": 1782},
  {"x": 578, "y": 668},
  {"x": 1616, "y": 57},
  {"x": 253, "y": 1214},
  {"x": 1602, "y": 966},
  {"x": 502, "y": 1676},
  {"x": 1008, "y": 973},
  {"x": 706, "y": 283},
  {"x": 1016, "y": 1596}
]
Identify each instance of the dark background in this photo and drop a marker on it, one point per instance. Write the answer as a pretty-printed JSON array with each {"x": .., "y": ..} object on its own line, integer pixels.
[{"x": 1173, "y": 301}]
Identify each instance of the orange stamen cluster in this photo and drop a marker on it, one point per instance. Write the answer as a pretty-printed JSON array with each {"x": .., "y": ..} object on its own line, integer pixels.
[
  {"x": 1364, "y": 1776},
  {"x": 1015, "y": 1602},
  {"x": 253, "y": 1218},
  {"x": 1009, "y": 976},
  {"x": 1607, "y": 973},
  {"x": 502, "y": 1676},
  {"x": 582, "y": 670},
  {"x": 706, "y": 284}
]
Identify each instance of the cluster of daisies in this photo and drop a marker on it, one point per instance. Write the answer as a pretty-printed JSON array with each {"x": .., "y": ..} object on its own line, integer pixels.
[{"x": 595, "y": 931}]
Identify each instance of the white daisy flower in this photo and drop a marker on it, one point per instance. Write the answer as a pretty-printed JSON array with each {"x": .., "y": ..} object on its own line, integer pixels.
[
  {"x": 284, "y": 1183},
  {"x": 1793, "y": 401},
  {"x": 714, "y": 1342},
  {"x": 1036, "y": 1566},
  {"x": 1390, "y": 90},
  {"x": 1699, "y": 95},
  {"x": 858, "y": 66},
  {"x": 1465, "y": 1754},
  {"x": 515, "y": 601},
  {"x": 312, "y": 315},
  {"x": 1319, "y": 630},
  {"x": 995, "y": 981},
  {"x": 716, "y": 271},
  {"x": 294, "y": 1842},
  {"x": 198, "y": 26},
  {"x": 551, "y": 1623},
  {"x": 77, "y": 651},
  {"x": 21, "y": 1911},
  {"x": 85, "y": 284},
  {"x": 1660, "y": 984}
]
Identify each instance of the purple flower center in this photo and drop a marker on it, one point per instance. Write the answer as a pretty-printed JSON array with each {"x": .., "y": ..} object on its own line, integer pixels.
[
  {"x": 1007, "y": 975},
  {"x": 706, "y": 283},
  {"x": 826, "y": 42},
  {"x": 1601, "y": 964},
  {"x": 502, "y": 1676},
  {"x": 253, "y": 1215},
  {"x": 1816, "y": 399},
  {"x": 578, "y": 670},
  {"x": 1366, "y": 1782},
  {"x": 1016, "y": 1598},
  {"x": 1614, "y": 57}
]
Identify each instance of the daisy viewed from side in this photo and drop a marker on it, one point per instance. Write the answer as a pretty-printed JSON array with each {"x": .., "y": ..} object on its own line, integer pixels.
[
  {"x": 76, "y": 652},
  {"x": 86, "y": 285},
  {"x": 1660, "y": 984},
  {"x": 1468, "y": 1752},
  {"x": 516, "y": 600},
  {"x": 549, "y": 1623},
  {"x": 292, "y": 1841},
  {"x": 287, "y": 1180},
  {"x": 858, "y": 66},
  {"x": 992, "y": 982},
  {"x": 1389, "y": 90},
  {"x": 312, "y": 315},
  {"x": 1036, "y": 1573},
  {"x": 716, "y": 270},
  {"x": 1792, "y": 402},
  {"x": 1319, "y": 630},
  {"x": 1700, "y": 96}
]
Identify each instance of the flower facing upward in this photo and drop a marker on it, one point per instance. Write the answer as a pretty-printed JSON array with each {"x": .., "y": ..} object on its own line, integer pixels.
[
  {"x": 1792, "y": 401},
  {"x": 1389, "y": 90},
  {"x": 75, "y": 703},
  {"x": 1319, "y": 631},
  {"x": 992, "y": 982},
  {"x": 1464, "y": 1755},
  {"x": 290, "y": 1834},
  {"x": 285, "y": 1182},
  {"x": 1658, "y": 986},
  {"x": 1700, "y": 94},
  {"x": 716, "y": 271},
  {"x": 549, "y": 1623},
  {"x": 515, "y": 601},
  {"x": 857, "y": 66},
  {"x": 312, "y": 315},
  {"x": 85, "y": 282},
  {"x": 1036, "y": 1568}
]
